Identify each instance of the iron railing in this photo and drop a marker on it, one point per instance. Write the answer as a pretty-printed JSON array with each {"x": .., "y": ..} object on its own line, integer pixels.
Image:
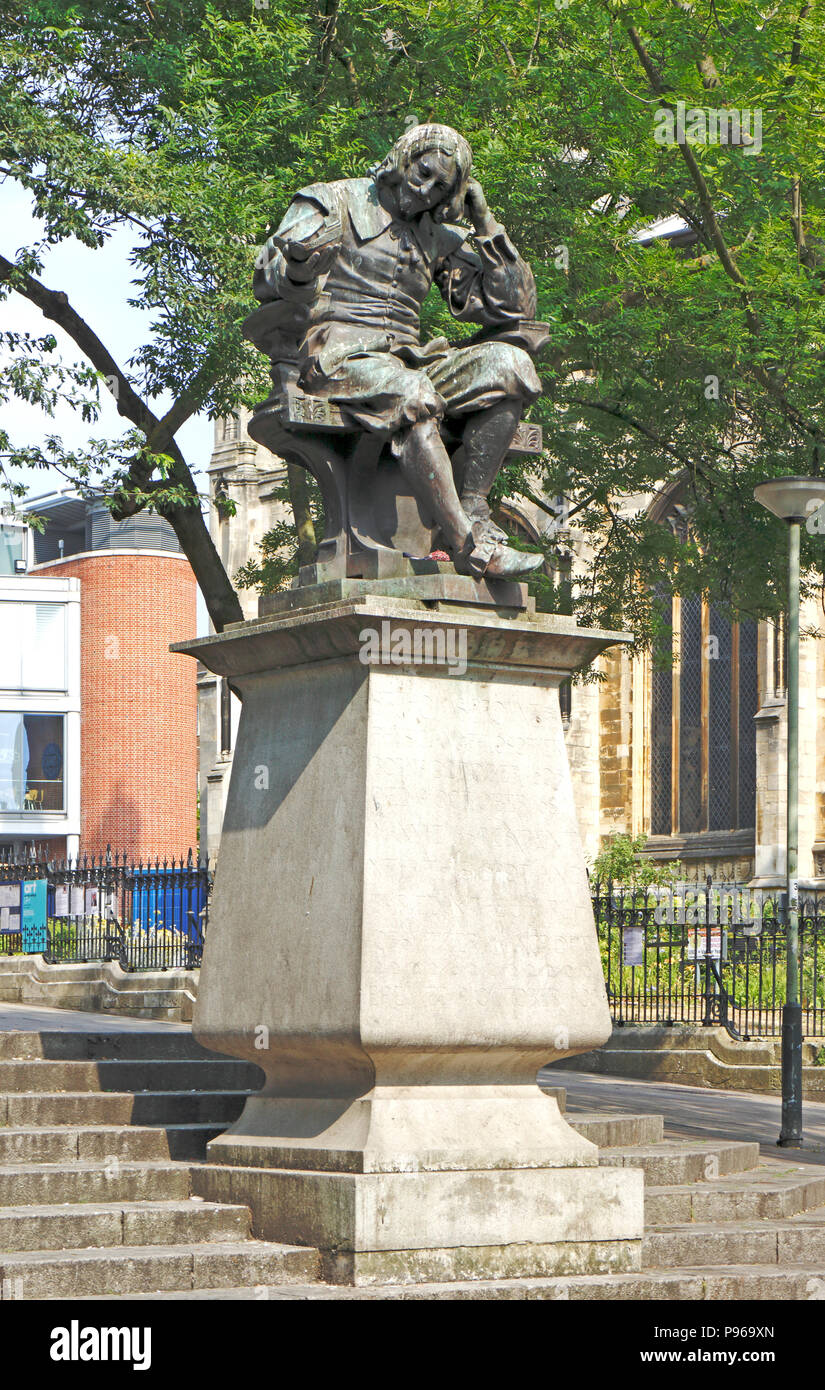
[
  {"x": 145, "y": 916},
  {"x": 709, "y": 953}
]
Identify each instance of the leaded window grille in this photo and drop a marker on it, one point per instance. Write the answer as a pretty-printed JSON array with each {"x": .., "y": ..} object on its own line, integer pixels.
[{"x": 702, "y": 734}]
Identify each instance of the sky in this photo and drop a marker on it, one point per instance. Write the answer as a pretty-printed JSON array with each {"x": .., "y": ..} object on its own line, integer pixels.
[{"x": 98, "y": 283}]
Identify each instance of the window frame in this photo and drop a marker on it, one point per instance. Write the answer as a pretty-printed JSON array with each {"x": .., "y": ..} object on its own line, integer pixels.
[{"x": 674, "y": 766}]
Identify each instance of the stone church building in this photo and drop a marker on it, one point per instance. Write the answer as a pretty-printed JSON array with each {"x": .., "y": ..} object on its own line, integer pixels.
[{"x": 693, "y": 758}]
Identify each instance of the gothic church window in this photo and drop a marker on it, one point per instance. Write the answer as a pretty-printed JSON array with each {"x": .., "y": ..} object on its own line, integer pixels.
[
  {"x": 231, "y": 428},
  {"x": 703, "y": 736}
]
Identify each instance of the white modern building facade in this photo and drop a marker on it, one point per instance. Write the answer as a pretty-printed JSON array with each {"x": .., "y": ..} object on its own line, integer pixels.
[{"x": 39, "y": 701}]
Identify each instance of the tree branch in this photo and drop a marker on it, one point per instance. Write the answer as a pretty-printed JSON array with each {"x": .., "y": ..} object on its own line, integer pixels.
[
  {"x": 188, "y": 523},
  {"x": 772, "y": 383}
]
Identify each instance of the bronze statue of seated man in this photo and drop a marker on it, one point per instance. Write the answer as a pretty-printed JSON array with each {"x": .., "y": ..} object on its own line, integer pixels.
[{"x": 346, "y": 274}]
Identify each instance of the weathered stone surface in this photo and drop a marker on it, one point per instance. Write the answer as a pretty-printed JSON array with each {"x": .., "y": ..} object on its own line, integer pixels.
[
  {"x": 438, "y": 584},
  {"x": 385, "y": 863},
  {"x": 134, "y": 1045},
  {"x": 218, "y": 1074},
  {"x": 101, "y": 986},
  {"x": 721, "y": 1238},
  {"x": 73, "y": 1273},
  {"x": 41, "y": 1184},
  {"x": 389, "y": 1267},
  {"x": 393, "y": 1212},
  {"x": 757, "y": 1196},
  {"x": 696, "y": 1057},
  {"x": 608, "y": 1130},
  {"x": 740, "y": 1243},
  {"x": 766, "y": 1282},
  {"x": 671, "y": 1161}
]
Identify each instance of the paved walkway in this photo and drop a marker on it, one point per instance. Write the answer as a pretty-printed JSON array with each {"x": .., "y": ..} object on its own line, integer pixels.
[
  {"x": 31, "y": 1018},
  {"x": 694, "y": 1111}
]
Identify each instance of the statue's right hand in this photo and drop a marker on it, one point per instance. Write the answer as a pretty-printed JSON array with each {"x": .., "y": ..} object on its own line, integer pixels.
[{"x": 304, "y": 264}]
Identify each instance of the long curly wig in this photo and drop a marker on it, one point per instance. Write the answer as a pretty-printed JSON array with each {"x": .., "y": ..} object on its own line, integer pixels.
[{"x": 418, "y": 140}]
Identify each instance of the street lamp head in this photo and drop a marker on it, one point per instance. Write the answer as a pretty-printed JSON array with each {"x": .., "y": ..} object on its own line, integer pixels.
[{"x": 791, "y": 499}]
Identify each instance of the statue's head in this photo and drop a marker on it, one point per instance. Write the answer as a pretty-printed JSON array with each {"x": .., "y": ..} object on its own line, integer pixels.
[{"x": 428, "y": 168}]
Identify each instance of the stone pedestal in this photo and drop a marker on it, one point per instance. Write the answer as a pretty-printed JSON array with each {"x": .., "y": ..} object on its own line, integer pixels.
[{"x": 401, "y": 936}]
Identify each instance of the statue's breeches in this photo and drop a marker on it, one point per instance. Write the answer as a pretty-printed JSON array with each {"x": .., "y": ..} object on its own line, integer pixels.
[{"x": 388, "y": 391}]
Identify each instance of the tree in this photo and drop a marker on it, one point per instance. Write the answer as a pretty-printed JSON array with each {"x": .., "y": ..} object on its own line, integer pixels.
[{"x": 194, "y": 123}]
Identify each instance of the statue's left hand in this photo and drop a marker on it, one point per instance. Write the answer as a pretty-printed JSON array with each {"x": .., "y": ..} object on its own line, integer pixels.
[{"x": 475, "y": 207}]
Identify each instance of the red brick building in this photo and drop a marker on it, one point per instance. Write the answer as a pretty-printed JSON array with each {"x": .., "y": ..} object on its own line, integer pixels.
[{"x": 138, "y": 701}]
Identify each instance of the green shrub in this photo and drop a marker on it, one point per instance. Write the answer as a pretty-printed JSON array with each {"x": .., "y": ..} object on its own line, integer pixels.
[{"x": 622, "y": 861}]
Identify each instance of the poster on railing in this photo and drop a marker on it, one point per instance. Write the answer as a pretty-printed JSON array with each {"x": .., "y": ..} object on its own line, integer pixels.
[
  {"x": 9, "y": 921},
  {"x": 92, "y": 900},
  {"x": 33, "y": 925},
  {"x": 61, "y": 900},
  {"x": 9, "y": 907},
  {"x": 77, "y": 900},
  {"x": 633, "y": 946},
  {"x": 705, "y": 943}
]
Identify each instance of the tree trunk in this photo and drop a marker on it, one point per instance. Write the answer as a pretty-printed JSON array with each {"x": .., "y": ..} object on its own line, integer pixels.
[
  {"x": 304, "y": 525},
  {"x": 222, "y": 603}
]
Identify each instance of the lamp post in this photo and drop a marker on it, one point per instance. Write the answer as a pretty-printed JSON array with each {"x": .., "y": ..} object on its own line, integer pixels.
[{"x": 792, "y": 500}]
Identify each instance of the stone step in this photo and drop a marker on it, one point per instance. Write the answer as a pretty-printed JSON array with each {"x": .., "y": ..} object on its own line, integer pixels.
[
  {"x": 689, "y": 1067},
  {"x": 64, "y": 1046},
  {"x": 48, "y": 1274},
  {"x": 800, "y": 1240},
  {"x": 652, "y": 1037},
  {"x": 100, "y": 987},
  {"x": 613, "y": 1131},
  {"x": 120, "y": 1223},
  {"x": 69, "y": 1143},
  {"x": 47, "y": 1108},
  {"x": 674, "y": 1161},
  {"x": 763, "y": 1195},
  {"x": 731, "y": 1283},
  {"x": 107, "y": 1075},
  {"x": 557, "y": 1093},
  {"x": 46, "y": 1184}
]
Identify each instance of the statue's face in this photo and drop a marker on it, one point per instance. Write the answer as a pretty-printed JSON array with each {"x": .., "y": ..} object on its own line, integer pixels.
[{"x": 428, "y": 181}]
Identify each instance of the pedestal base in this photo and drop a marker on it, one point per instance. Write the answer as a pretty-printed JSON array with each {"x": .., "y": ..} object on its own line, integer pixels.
[
  {"x": 406, "y": 1228},
  {"x": 401, "y": 935},
  {"x": 406, "y": 1129}
]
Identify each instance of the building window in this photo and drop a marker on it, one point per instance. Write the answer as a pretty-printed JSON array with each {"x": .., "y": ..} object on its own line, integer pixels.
[
  {"x": 31, "y": 762},
  {"x": 12, "y": 549},
  {"x": 231, "y": 428},
  {"x": 32, "y": 646},
  {"x": 778, "y": 632},
  {"x": 703, "y": 735}
]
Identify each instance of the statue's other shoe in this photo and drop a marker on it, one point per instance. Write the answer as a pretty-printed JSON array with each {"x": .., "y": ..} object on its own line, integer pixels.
[
  {"x": 490, "y": 561},
  {"x": 506, "y": 563}
]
